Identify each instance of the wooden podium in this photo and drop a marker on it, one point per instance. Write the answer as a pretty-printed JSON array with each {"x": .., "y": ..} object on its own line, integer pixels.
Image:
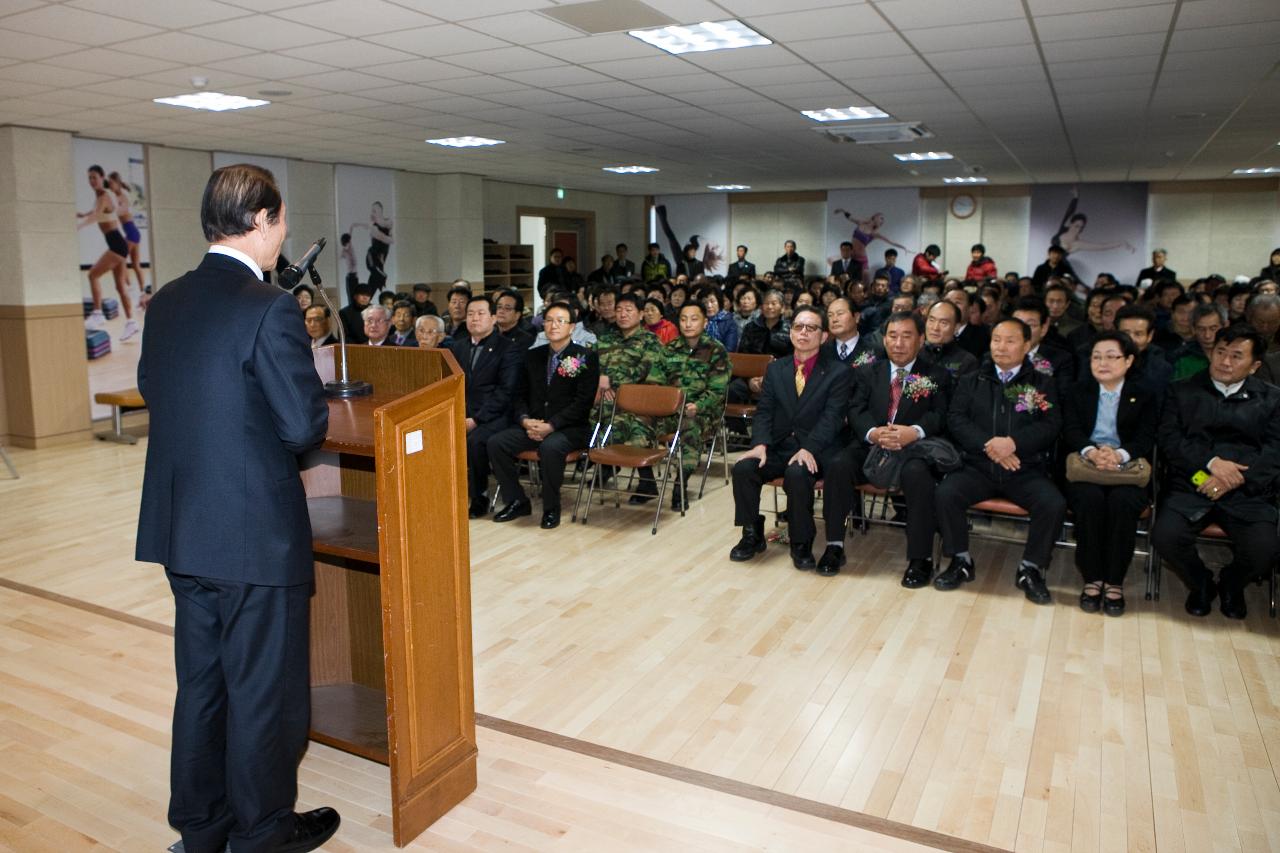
[{"x": 391, "y": 670}]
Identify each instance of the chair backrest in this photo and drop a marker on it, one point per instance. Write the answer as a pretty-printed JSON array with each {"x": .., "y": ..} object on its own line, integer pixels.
[
  {"x": 747, "y": 365},
  {"x": 650, "y": 401}
]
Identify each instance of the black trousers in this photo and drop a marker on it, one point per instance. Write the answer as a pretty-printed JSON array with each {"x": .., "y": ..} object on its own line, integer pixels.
[
  {"x": 749, "y": 478},
  {"x": 738, "y": 391},
  {"x": 1031, "y": 490},
  {"x": 241, "y": 715},
  {"x": 478, "y": 456},
  {"x": 552, "y": 451},
  {"x": 1106, "y": 520},
  {"x": 844, "y": 474},
  {"x": 1253, "y": 544}
]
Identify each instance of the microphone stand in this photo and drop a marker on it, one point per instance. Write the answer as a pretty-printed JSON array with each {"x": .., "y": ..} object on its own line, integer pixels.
[{"x": 344, "y": 387}]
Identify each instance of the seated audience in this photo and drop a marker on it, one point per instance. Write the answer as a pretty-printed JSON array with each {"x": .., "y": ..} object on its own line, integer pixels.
[
  {"x": 656, "y": 322},
  {"x": 316, "y": 319},
  {"x": 720, "y": 322},
  {"x": 894, "y": 403},
  {"x": 798, "y": 419},
  {"x": 789, "y": 265},
  {"x": 1005, "y": 419},
  {"x": 1108, "y": 421},
  {"x": 377, "y": 325},
  {"x": 402, "y": 318},
  {"x": 1045, "y": 358},
  {"x": 1192, "y": 358},
  {"x": 875, "y": 308},
  {"x": 748, "y": 308},
  {"x": 1150, "y": 371},
  {"x": 305, "y": 294},
  {"x": 1057, "y": 298},
  {"x": 1082, "y": 336},
  {"x": 552, "y": 414},
  {"x": 351, "y": 314},
  {"x": 691, "y": 265},
  {"x": 891, "y": 271},
  {"x": 422, "y": 303},
  {"x": 491, "y": 364},
  {"x": 655, "y": 266},
  {"x": 845, "y": 343},
  {"x": 602, "y": 274},
  {"x": 429, "y": 330},
  {"x": 940, "y": 324},
  {"x": 1219, "y": 437},
  {"x": 922, "y": 265},
  {"x": 1056, "y": 266},
  {"x": 1180, "y": 330},
  {"x": 603, "y": 301},
  {"x": 550, "y": 276},
  {"x": 623, "y": 267},
  {"x": 627, "y": 355},
  {"x": 974, "y": 339},
  {"x": 1263, "y": 314},
  {"x": 459, "y": 296},
  {"x": 981, "y": 268},
  {"x": 511, "y": 322}
]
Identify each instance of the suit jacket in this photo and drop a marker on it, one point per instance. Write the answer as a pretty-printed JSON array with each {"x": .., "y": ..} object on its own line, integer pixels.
[
  {"x": 491, "y": 383},
  {"x": 981, "y": 409},
  {"x": 410, "y": 341},
  {"x": 352, "y": 324},
  {"x": 789, "y": 266},
  {"x": 865, "y": 344},
  {"x": 565, "y": 401},
  {"x": 624, "y": 269},
  {"x": 1198, "y": 424},
  {"x": 737, "y": 269},
  {"x": 1136, "y": 418},
  {"x": 232, "y": 403},
  {"x": 328, "y": 339},
  {"x": 869, "y": 402},
  {"x": 1058, "y": 363},
  {"x": 853, "y": 270},
  {"x": 786, "y": 422},
  {"x": 956, "y": 360},
  {"x": 975, "y": 340}
]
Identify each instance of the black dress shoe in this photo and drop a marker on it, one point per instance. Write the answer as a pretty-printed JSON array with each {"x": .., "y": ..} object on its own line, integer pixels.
[
  {"x": 1231, "y": 601},
  {"x": 479, "y": 508},
  {"x": 957, "y": 572},
  {"x": 918, "y": 574},
  {"x": 1200, "y": 598},
  {"x": 751, "y": 543},
  {"x": 1113, "y": 605},
  {"x": 1033, "y": 586},
  {"x": 550, "y": 518},
  {"x": 802, "y": 555},
  {"x": 646, "y": 490},
  {"x": 680, "y": 495},
  {"x": 831, "y": 561},
  {"x": 1090, "y": 603},
  {"x": 310, "y": 830},
  {"x": 514, "y": 510}
]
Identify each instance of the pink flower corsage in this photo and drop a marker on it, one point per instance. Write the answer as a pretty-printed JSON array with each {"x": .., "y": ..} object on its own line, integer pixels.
[
  {"x": 571, "y": 366},
  {"x": 1027, "y": 399},
  {"x": 918, "y": 387},
  {"x": 864, "y": 358}
]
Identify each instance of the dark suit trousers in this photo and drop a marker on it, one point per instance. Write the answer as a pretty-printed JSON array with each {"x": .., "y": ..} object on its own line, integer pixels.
[
  {"x": 749, "y": 478},
  {"x": 478, "y": 456},
  {"x": 1031, "y": 490},
  {"x": 843, "y": 473},
  {"x": 1106, "y": 520},
  {"x": 1253, "y": 545},
  {"x": 552, "y": 451},
  {"x": 242, "y": 711}
]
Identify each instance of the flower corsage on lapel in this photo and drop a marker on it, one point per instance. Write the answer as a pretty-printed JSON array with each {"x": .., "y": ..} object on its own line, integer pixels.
[
  {"x": 1042, "y": 365},
  {"x": 1026, "y": 398},
  {"x": 864, "y": 358},
  {"x": 918, "y": 387},
  {"x": 571, "y": 366}
]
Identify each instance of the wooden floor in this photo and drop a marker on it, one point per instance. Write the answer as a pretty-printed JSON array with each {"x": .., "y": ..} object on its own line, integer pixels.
[{"x": 643, "y": 692}]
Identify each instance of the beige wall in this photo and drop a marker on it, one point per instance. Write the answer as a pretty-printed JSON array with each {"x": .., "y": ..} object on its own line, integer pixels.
[
  {"x": 1000, "y": 222},
  {"x": 763, "y": 225},
  {"x": 619, "y": 218},
  {"x": 176, "y": 179},
  {"x": 1227, "y": 227},
  {"x": 309, "y": 206}
]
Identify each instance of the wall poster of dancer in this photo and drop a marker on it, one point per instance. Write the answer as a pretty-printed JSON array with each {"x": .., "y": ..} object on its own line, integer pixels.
[
  {"x": 366, "y": 206},
  {"x": 693, "y": 231},
  {"x": 1101, "y": 227},
  {"x": 873, "y": 220},
  {"x": 115, "y": 258}
]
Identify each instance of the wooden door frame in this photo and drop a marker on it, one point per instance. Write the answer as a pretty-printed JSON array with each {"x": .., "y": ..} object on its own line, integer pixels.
[{"x": 588, "y": 216}]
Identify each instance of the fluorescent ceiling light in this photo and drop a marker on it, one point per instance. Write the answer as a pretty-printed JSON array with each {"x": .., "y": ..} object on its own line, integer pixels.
[
  {"x": 964, "y": 179},
  {"x": 844, "y": 113},
  {"x": 923, "y": 155},
  {"x": 630, "y": 170},
  {"x": 466, "y": 141},
  {"x": 696, "y": 38},
  {"x": 728, "y": 187},
  {"x": 1266, "y": 170},
  {"x": 212, "y": 101}
]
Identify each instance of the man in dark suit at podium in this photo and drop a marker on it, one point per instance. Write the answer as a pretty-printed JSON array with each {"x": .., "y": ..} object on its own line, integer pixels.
[
  {"x": 233, "y": 401},
  {"x": 491, "y": 364},
  {"x": 553, "y": 416}
]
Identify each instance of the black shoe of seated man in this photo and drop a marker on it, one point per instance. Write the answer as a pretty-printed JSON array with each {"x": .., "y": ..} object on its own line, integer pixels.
[
  {"x": 802, "y": 555},
  {"x": 646, "y": 489},
  {"x": 680, "y": 494},
  {"x": 751, "y": 543},
  {"x": 1200, "y": 597},
  {"x": 1231, "y": 602},
  {"x": 958, "y": 572},
  {"x": 1033, "y": 586},
  {"x": 918, "y": 574},
  {"x": 550, "y": 518},
  {"x": 514, "y": 510},
  {"x": 310, "y": 830},
  {"x": 479, "y": 508},
  {"x": 831, "y": 560}
]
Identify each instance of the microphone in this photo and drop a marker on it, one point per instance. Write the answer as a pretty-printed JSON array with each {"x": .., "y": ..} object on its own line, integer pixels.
[{"x": 292, "y": 274}]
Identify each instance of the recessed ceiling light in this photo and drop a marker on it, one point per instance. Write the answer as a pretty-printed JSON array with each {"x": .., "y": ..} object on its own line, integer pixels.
[
  {"x": 964, "y": 179},
  {"x": 922, "y": 155},
  {"x": 728, "y": 187},
  {"x": 630, "y": 170},
  {"x": 211, "y": 101},
  {"x": 1264, "y": 170},
  {"x": 466, "y": 141},
  {"x": 844, "y": 113},
  {"x": 696, "y": 38}
]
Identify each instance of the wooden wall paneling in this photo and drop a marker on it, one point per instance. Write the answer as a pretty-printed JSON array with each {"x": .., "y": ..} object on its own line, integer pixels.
[{"x": 46, "y": 374}]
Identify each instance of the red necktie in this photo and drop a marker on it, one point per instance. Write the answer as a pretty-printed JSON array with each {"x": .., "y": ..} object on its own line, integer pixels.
[{"x": 895, "y": 393}]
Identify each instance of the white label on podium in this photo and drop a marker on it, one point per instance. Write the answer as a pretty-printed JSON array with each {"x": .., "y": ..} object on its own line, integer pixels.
[{"x": 413, "y": 442}]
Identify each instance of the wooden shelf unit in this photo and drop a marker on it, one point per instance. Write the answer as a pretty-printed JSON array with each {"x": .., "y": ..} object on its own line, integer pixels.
[
  {"x": 391, "y": 665},
  {"x": 509, "y": 265}
]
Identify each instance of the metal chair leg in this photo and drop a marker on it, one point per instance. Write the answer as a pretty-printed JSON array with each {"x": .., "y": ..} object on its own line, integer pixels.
[
  {"x": 8, "y": 463},
  {"x": 586, "y": 509},
  {"x": 711, "y": 454}
]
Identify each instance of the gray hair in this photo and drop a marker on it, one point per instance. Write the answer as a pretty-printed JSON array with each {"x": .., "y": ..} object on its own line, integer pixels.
[
  {"x": 374, "y": 309},
  {"x": 430, "y": 318},
  {"x": 1207, "y": 309},
  {"x": 774, "y": 294},
  {"x": 1260, "y": 301},
  {"x": 1159, "y": 252}
]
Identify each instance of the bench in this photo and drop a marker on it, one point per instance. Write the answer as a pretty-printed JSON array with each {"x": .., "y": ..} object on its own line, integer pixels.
[{"x": 120, "y": 402}]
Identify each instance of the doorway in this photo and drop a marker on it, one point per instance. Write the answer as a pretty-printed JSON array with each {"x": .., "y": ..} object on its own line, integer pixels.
[{"x": 573, "y": 232}]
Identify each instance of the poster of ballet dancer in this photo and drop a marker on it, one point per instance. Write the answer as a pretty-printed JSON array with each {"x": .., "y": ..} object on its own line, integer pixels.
[
  {"x": 872, "y": 220},
  {"x": 115, "y": 258},
  {"x": 693, "y": 231},
  {"x": 366, "y": 206},
  {"x": 279, "y": 168},
  {"x": 1100, "y": 226}
]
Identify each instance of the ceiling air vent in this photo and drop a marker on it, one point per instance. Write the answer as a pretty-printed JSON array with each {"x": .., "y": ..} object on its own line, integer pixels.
[{"x": 875, "y": 134}]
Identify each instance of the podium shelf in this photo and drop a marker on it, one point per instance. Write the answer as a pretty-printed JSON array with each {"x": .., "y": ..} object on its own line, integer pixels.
[
  {"x": 351, "y": 717},
  {"x": 344, "y": 527},
  {"x": 351, "y": 423}
]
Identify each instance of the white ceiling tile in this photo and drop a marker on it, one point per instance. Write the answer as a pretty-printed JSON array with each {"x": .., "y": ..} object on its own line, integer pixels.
[
  {"x": 958, "y": 60},
  {"x": 221, "y": 81},
  {"x": 341, "y": 81},
  {"x": 809, "y": 96},
  {"x": 563, "y": 75},
  {"x": 419, "y": 71},
  {"x": 876, "y": 86},
  {"x": 169, "y": 14},
  {"x": 24, "y": 46},
  {"x": 604, "y": 48},
  {"x": 851, "y": 48},
  {"x": 524, "y": 28},
  {"x": 269, "y": 66},
  {"x": 775, "y": 76},
  {"x": 118, "y": 63},
  {"x": 482, "y": 85},
  {"x": 916, "y": 14},
  {"x": 504, "y": 60},
  {"x": 1236, "y": 36},
  {"x": 1104, "y": 68},
  {"x": 358, "y": 17},
  {"x": 605, "y": 90},
  {"x": 12, "y": 7},
  {"x": 267, "y": 5},
  {"x": 1104, "y": 47},
  {"x": 643, "y": 68},
  {"x": 764, "y": 56},
  {"x": 815, "y": 24},
  {"x": 76, "y": 25},
  {"x": 50, "y": 75},
  {"x": 993, "y": 36},
  {"x": 439, "y": 40},
  {"x": 1214, "y": 13},
  {"x": 183, "y": 48},
  {"x": 1116, "y": 22},
  {"x": 78, "y": 98},
  {"x": 349, "y": 53},
  {"x": 22, "y": 89},
  {"x": 263, "y": 32}
]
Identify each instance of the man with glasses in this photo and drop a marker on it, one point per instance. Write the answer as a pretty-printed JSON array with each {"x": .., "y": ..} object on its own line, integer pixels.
[
  {"x": 511, "y": 322},
  {"x": 797, "y": 421},
  {"x": 1192, "y": 358}
]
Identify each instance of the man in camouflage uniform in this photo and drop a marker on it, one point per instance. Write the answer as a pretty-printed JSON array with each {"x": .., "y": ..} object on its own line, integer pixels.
[
  {"x": 698, "y": 364},
  {"x": 627, "y": 355}
]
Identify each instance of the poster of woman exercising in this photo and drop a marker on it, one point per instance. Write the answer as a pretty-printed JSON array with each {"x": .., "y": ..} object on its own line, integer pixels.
[{"x": 1100, "y": 227}]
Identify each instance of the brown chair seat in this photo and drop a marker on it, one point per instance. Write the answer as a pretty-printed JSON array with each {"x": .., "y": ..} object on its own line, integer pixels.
[
  {"x": 532, "y": 455},
  {"x": 129, "y": 398},
  {"x": 739, "y": 410},
  {"x": 999, "y": 506},
  {"x": 777, "y": 483},
  {"x": 868, "y": 489},
  {"x": 626, "y": 456}
]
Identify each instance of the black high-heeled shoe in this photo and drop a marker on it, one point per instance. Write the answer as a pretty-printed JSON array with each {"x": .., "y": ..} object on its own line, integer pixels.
[
  {"x": 1113, "y": 605},
  {"x": 1091, "y": 602}
]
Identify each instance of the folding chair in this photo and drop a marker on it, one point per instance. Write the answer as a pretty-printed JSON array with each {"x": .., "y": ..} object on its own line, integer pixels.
[
  {"x": 646, "y": 401},
  {"x": 744, "y": 366}
]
